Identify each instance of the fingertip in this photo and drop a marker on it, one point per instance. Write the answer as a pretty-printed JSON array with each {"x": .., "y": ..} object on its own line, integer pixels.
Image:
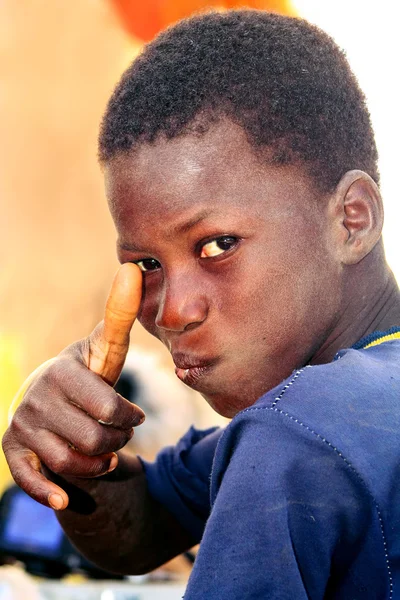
[
  {"x": 130, "y": 267},
  {"x": 113, "y": 462},
  {"x": 140, "y": 415},
  {"x": 141, "y": 420},
  {"x": 127, "y": 278},
  {"x": 57, "y": 502}
]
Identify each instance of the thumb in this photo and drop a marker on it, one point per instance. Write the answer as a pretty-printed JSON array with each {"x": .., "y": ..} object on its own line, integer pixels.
[{"x": 109, "y": 342}]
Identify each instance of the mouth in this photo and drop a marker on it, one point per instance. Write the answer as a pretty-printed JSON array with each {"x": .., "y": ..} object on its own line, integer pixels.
[{"x": 190, "y": 369}]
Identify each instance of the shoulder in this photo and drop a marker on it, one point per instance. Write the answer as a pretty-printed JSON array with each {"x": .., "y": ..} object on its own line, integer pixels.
[
  {"x": 357, "y": 389},
  {"x": 352, "y": 374},
  {"x": 266, "y": 452},
  {"x": 343, "y": 416}
]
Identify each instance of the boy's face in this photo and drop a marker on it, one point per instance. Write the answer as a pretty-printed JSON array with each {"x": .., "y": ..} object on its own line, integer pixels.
[{"x": 242, "y": 283}]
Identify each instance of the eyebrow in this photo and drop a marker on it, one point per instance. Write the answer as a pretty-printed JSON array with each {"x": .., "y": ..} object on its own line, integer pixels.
[
  {"x": 187, "y": 225},
  {"x": 128, "y": 247},
  {"x": 179, "y": 229}
]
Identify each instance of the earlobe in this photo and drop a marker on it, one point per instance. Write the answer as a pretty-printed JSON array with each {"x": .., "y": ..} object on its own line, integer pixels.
[{"x": 362, "y": 215}]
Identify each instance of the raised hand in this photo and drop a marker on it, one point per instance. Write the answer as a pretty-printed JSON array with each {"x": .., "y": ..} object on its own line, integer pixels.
[{"x": 70, "y": 418}]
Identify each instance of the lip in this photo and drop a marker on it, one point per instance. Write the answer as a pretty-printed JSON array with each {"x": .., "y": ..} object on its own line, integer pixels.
[
  {"x": 190, "y": 369},
  {"x": 189, "y": 361}
]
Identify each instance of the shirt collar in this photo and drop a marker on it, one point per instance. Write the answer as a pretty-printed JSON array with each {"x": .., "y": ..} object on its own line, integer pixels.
[{"x": 377, "y": 337}]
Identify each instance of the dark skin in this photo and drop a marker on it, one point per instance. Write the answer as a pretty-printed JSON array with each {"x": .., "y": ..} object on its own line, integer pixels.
[{"x": 248, "y": 273}]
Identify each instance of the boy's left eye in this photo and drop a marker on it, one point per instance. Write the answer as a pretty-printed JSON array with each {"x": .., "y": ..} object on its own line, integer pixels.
[{"x": 218, "y": 246}]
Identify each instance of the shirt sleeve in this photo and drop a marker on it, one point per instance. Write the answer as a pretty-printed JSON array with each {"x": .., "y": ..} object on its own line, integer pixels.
[
  {"x": 289, "y": 518},
  {"x": 180, "y": 478}
]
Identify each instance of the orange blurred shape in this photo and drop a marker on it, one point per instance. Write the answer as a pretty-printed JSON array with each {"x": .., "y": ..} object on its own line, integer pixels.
[{"x": 145, "y": 19}]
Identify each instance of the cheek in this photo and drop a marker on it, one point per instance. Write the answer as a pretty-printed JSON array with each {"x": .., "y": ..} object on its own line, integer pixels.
[{"x": 270, "y": 298}]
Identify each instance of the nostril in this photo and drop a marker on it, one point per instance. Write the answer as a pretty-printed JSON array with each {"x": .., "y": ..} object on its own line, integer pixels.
[{"x": 193, "y": 325}]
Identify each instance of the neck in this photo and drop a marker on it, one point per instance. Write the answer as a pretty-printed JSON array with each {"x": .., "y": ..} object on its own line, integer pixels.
[{"x": 371, "y": 302}]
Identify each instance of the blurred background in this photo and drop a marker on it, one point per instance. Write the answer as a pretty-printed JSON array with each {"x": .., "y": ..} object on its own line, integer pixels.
[{"x": 59, "y": 62}]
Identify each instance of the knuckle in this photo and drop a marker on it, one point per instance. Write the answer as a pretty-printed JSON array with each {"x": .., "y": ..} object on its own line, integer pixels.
[
  {"x": 18, "y": 425},
  {"x": 56, "y": 372},
  {"x": 91, "y": 440},
  {"x": 7, "y": 442},
  {"x": 58, "y": 375},
  {"x": 33, "y": 402},
  {"x": 59, "y": 462},
  {"x": 24, "y": 425},
  {"x": 11, "y": 449},
  {"x": 109, "y": 411},
  {"x": 51, "y": 373}
]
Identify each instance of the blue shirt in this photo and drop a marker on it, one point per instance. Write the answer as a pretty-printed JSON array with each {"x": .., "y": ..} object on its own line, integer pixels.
[{"x": 299, "y": 496}]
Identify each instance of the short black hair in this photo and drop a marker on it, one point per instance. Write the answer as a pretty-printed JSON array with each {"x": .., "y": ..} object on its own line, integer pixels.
[{"x": 282, "y": 79}]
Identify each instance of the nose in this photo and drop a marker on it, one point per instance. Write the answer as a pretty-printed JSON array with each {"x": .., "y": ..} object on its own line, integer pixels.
[{"x": 182, "y": 304}]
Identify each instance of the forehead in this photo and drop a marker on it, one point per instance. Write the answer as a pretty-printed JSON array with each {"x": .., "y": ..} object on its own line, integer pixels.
[{"x": 218, "y": 168}]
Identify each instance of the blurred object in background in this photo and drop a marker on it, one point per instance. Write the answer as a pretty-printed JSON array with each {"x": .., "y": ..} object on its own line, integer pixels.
[
  {"x": 16, "y": 585},
  {"x": 58, "y": 64},
  {"x": 31, "y": 535},
  {"x": 144, "y": 20},
  {"x": 10, "y": 379}
]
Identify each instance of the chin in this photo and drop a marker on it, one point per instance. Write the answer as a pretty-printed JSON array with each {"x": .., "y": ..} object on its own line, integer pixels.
[{"x": 225, "y": 406}]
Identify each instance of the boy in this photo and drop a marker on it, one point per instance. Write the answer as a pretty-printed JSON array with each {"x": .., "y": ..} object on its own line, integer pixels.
[{"x": 240, "y": 170}]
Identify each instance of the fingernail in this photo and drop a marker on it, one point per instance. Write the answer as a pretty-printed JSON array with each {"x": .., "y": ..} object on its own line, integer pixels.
[
  {"x": 142, "y": 418},
  {"x": 56, "y": 501},
  {"x": 113, "y": 463}
]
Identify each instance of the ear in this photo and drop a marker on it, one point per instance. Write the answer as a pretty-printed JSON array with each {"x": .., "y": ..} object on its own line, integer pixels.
[{"x": 360, "y": 209}]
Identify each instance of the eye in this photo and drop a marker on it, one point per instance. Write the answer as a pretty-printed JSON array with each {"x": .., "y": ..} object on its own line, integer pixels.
[
  {"x": 148, "y": 264},
  {"x": 218, "y": 246}
]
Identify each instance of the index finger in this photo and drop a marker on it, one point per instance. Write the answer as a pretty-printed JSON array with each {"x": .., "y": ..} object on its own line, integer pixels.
[{"x": 109, "y": 342}]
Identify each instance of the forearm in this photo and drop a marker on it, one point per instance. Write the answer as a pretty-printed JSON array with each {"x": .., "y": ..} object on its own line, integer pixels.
[{"x": 115, "y": 523}]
